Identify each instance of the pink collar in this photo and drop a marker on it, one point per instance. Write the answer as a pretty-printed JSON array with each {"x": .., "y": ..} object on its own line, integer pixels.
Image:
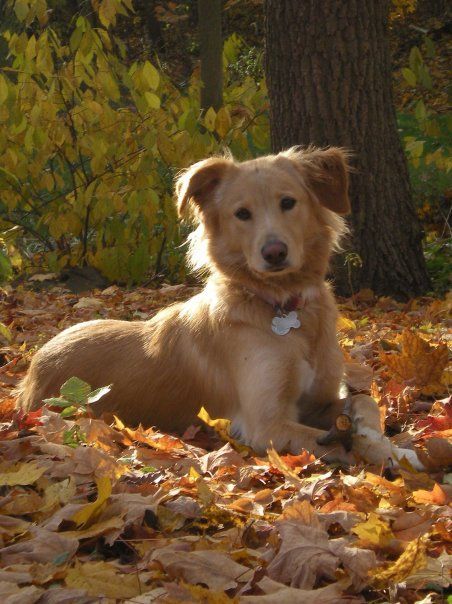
[{"x": 293, "y": 303}]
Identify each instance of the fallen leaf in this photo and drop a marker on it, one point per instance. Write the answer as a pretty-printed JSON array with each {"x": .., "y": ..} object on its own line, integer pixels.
[
  {"x": 436, "y": 496},
  {"x": 102, "y": 579},
  {"x": 44, "y": 546},
  {"x": 436, "y": 571},
  {"x": 374, "y": 531},
  {"x": 411, "y": 560},
  {"x": 418, "y": 363},
  {"x": 277, "y": 593},
  {"x": 91, "y": 510},
  {"x": 307, "y": 555},
  {"x": 22, "y": 474},
  {"x": 215, "y": 569}
]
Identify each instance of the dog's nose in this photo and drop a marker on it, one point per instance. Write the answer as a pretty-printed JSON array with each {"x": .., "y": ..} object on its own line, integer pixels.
[{"x": 274, "y": 252}]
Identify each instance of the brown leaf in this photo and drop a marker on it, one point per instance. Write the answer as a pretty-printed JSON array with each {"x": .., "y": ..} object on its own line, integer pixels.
[
  {"x": 277, "y": 593},
  {"x": 44, "y": 546},
  {"x": 307, "y": 555},
  {"x": 210, "y": 567},
  {"x": 13, "y": 594},
  {"x": 102, "y": 579},
  {"x": 358, "y": 376}
]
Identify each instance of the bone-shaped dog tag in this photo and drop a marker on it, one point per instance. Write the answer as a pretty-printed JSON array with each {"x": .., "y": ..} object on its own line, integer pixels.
[{"x": 283, "y": 324}]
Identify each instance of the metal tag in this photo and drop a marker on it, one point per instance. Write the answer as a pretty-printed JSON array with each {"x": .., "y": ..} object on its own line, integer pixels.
[{"x": 281, "y": 325}]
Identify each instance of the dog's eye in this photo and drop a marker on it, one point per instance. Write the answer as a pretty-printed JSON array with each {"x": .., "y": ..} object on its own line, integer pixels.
[
  {"x": 243, "y": 214},
  {"x": 287, "y": 203}
]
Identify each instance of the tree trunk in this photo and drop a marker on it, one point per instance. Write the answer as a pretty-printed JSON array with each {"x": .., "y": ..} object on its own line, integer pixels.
[
  {"x": 211, "y": 47},
  {"x": 329, "y": 79}
]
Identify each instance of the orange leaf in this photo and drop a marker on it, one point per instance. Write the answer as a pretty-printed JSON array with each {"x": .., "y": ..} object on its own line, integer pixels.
[
  {"x": 418, "y": 363},
  {"x": 436, "y": 496}
]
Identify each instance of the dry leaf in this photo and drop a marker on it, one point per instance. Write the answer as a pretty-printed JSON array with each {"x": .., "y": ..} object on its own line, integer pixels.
[
  {"x": 91, "y": 510},
  {"x": 101, "y": 579},
  {"x": 277, "y": 593},
  {"x": 419, "y": 363},
  {"x": 44, "y": 546},
  {"x": 22, "y": 473},
  {"x": 374, "y": 531},
  {"x": 437, "y": 572},
  {"x": 436, "y": 496},
  {"x": 307, "y": 555},
  {"x": 412, "y": 560},
  {"x": 213, "y": 568}
]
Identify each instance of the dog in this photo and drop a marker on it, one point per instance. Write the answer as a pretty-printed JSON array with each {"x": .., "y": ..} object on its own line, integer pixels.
[{"x": 258, "y": 345}]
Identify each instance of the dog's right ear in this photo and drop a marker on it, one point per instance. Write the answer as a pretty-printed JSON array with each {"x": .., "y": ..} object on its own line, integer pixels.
[{"x": 197, "y": 184}]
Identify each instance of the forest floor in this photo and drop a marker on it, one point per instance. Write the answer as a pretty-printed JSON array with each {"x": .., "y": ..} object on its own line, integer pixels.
[{"x": 93, "y": 510}]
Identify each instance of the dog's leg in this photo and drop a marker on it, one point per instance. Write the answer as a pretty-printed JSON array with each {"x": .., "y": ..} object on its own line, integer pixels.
[{"x": 267, "y": 419}]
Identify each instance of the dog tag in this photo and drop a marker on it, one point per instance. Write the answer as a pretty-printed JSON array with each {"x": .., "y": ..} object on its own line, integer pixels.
[{"x": 281, "y": 325}]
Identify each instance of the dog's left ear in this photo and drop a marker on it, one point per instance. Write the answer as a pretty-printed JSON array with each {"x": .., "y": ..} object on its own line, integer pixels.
[
  {"x": 197, "y": 184},
  {"x": 325, "y": 172}
]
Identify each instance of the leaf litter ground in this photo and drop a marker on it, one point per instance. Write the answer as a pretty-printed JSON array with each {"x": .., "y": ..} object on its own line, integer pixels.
[{"x": 92, "y": 510}]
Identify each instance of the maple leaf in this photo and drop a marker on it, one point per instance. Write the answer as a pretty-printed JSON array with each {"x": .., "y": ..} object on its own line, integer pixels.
[
  {"x": 22, "y": 473},
  {"x": 102, "y": 579},
  {"x": 418, "y": 363},
  {"x": 307, "y": 555},
  {"x": 410, "y": 561},
  {"x": 212, "y": 568},
  {"x": 436, "y": 496},
  {"x": 374, "y": 531}
]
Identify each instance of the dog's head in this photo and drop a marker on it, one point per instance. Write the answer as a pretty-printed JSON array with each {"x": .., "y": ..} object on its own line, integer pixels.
[{"x": 270, "y": 218}]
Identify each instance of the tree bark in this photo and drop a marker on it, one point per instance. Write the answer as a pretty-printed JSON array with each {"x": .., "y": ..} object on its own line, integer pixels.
[
  {"x": 211, "y": 50},
  {"x": 329, "y": 78}
]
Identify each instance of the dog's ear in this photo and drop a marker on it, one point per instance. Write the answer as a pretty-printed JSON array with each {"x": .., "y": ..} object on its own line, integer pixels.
[
  {"x": 197, "y": 184},
  {"x": 325, "y": 172}
]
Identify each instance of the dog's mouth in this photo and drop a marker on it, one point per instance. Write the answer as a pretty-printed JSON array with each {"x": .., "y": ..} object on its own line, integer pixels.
[{"x": 273, "y": 271}]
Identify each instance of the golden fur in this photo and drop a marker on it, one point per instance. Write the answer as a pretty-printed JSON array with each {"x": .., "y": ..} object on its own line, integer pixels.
[{"x": 217, "y": 349}]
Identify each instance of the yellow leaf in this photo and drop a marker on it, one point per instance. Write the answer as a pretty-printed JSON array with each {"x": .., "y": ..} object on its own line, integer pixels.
[
  {"x": 151, "y": 75},
  {"x": 344, "y": 324},
  {"x": 91, "y": 510},
  {"x": 152, "y": 100},
  {"x": 223, "y": 122},
  {"x": 419, "y": 362},
  {"x": 5, "y": 333},
  {"x": 101, "y": 579},
  {"x": 209, "y": 119},
  {"x": 222, "y": 428},
  {"x": 412, "y": 559},
  {"x": 374, "y": 531},
  {"x": 25, "y": 473}
]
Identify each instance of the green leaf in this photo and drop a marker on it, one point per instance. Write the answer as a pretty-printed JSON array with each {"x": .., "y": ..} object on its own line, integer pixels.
[
  {"x": 5, "y": 332},
  {"x": 151, "y": 75},
  {"x": 3, "y": 90},
  {"x": 21, "y": 9},
  {"x": 409, "y": 76},
  {"x": 57, "y": 402},
  {"x": 69, "y": 411},
  {"x": 420, "y": 111},
  {"x": 75, "y": 390},
  {"x": 152, "y": 100}
]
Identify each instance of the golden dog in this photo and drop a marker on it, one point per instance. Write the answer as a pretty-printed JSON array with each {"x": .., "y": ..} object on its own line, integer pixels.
[{"x": 258, "y": 344}]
